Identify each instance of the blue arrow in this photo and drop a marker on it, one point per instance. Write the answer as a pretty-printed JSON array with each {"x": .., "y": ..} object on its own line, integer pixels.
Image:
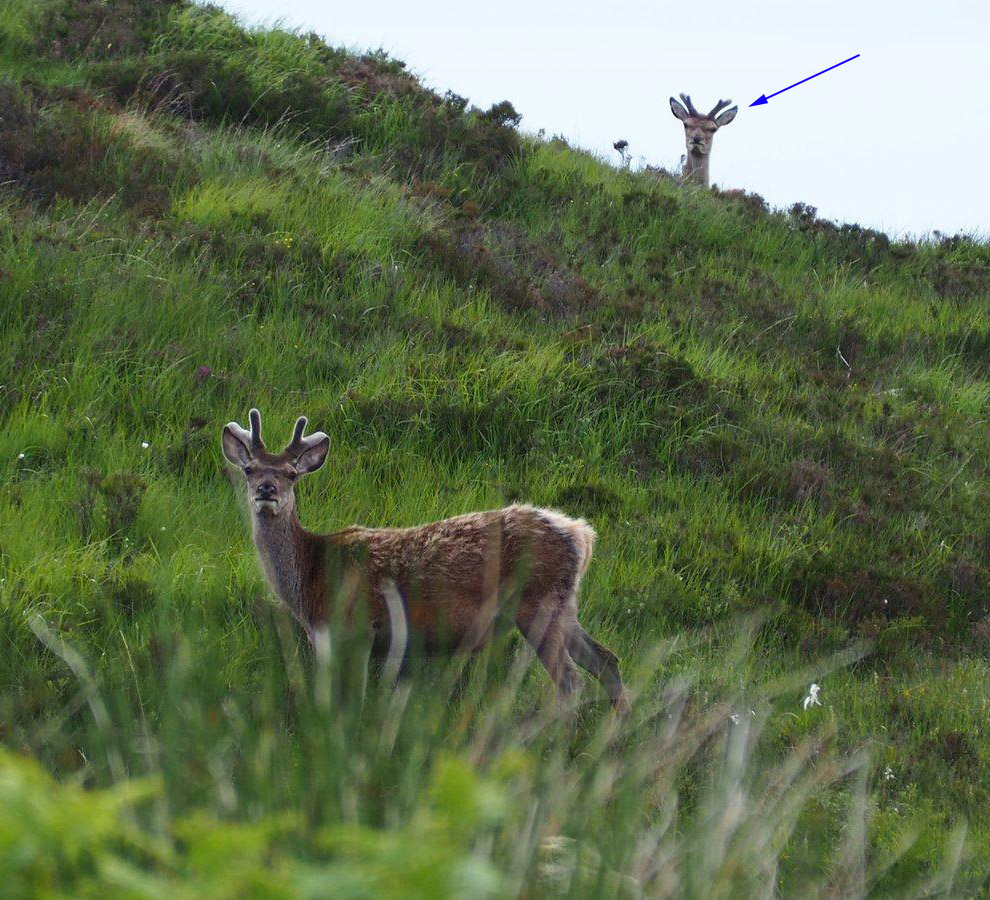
[{"x": 762, "y": 99}]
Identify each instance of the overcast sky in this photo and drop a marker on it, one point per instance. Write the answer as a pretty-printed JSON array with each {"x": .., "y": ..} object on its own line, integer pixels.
[{"x": 898, "y": 139}]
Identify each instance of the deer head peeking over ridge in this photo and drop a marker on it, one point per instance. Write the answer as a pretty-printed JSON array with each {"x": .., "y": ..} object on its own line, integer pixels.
[
  {"x": 440, "y": 586},
  {"x": 699, "y": 130}
]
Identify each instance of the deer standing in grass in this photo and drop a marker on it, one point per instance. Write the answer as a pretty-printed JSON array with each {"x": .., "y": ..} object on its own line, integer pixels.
[
  {"x": 699, "y": 130},
  {"x": 450, "y": 578}
]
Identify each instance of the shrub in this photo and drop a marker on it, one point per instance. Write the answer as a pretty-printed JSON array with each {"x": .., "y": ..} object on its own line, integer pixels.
[
  {"x": 88, "y": 29},
  {"x": 518, "y": 272},
  {"x": 63, "y": 142}
]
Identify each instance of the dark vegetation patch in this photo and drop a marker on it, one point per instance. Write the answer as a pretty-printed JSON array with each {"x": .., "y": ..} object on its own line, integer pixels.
[
  {"x": 129, "y": 595},
  {"x": 456, "y": 339},
  {"x": 960, "y": 280},
  {"x": 443, "y": 199},
  {"x": 955, "y": 748},
  {"x": 496, "y": 427},
  {"x": 326, "y": 95},
  {"x": 94, "y": 29},
  {"x": 37, "y": 342},
  {"x": 750, "y": 206},
  {"x": 643, "y": 372},
  {"x": 751, "y": 308},
  {"x": 710, "y": 454},
  {"x": 877, "y": 592},
  {"x": 640, "y": 458},
  {"x": 201, "y": 85},
  {"x": 855, "y": 245},
  {"x": 971, "y": 344},
  {"x": 257, "y": 248},
  {"x": 193, "y": 445},
  {"x": 121, "y": 494},
  {"x": 65, "y": 142},
  {"x": 830, "y": 589},
  {"x": 519, "y": 273},
  {"x": 354, "y": 325},
  {"x": 584, "y": 497},
  {"x": 604, "y": 223},
  {"x": 864, "y": 482},
  {"x": 445, "y": 335},
  {"x": 376, "y": 75},
  {"x": 830, "y": 350},
  {"x": 959, "y": 268}
]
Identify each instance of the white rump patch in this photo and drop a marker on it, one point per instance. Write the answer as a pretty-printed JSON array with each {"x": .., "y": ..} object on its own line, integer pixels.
[{"x": 578, "y": 531}]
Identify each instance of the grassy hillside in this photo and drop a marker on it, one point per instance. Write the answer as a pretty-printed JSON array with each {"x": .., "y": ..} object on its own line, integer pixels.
[{"x": 777, "y": 425}]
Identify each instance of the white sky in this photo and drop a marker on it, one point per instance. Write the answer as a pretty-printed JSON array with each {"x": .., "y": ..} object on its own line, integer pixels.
[{"x": 898, "y": 139}]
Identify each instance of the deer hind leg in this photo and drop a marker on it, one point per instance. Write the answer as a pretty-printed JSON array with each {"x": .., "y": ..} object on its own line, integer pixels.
[
  {"x": 544, "y": 632},
  {"x": 599, "y": 661}
]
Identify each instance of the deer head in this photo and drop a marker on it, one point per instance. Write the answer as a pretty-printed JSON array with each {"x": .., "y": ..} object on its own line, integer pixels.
[
  {"x": 271, "y": 477},
  {"x": 699, "y": 130}
]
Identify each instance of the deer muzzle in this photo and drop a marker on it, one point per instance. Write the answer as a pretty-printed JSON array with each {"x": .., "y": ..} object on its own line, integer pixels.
[{"x": 266, "y": 498}]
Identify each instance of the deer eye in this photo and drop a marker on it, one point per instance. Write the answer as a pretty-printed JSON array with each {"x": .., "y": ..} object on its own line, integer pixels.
[
  {"x": 292, "y": 476},
  {"x": 248, "y": 470}
]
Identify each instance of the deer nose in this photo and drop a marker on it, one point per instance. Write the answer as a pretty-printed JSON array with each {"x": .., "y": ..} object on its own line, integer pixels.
[{"x": 266, "y": 490}]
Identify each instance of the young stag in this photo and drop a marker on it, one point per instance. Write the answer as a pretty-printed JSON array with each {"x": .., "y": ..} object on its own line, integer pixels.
[
  {"x": 451, "y": 578},
  {"x": 699, "y": 130}
]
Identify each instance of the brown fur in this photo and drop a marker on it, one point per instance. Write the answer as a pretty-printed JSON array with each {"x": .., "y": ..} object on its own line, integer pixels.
[
  {"x": 699, "y": 132},
  {"x": 454, "y": 577}
]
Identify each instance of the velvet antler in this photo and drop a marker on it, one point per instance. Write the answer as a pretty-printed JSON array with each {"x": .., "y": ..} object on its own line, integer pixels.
[
  {"x": 300, "y": 444},
  {"x": 252, "y": 438},
  {"x": 689, "y": 105},
  {"x": 718, "y": 107}
]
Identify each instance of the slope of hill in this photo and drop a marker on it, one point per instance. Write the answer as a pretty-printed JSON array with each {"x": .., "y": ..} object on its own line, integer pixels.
[{"x": 776, "y": 424}]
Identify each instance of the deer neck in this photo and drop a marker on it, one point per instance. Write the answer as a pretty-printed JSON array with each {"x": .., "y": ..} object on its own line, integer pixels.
[
  {"x": 696, "y": 168},
  {"x": 282, "y": 544}
]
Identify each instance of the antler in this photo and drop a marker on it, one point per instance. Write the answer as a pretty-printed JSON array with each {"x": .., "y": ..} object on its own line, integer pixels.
[
  {"x": 689, "y": 105},
  {"x": 252, "y": 438},
  {"x": 718, "y": 107},
  {"x": 299, "y": 444},
  {"x": 256, "y": 442}
]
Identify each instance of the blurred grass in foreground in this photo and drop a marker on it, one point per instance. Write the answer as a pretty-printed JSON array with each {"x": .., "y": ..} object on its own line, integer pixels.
[{"x": 319, "y": 785}]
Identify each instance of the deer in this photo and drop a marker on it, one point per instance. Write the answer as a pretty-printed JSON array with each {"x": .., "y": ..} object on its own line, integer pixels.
[
  {"x": 699, "y": 130},
  {"x": 442, "y": 584}
]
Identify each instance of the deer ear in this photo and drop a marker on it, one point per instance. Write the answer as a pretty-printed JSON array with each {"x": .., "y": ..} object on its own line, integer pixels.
[
  {"x": 679, "y": 111},
  {"x": 315, "y": 454},
  {"x": 726, "y": 117},
  {"x": 235, "y": 448}
]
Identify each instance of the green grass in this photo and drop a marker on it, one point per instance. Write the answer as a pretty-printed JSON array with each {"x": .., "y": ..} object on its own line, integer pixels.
[{"x": 776, "y": 425}]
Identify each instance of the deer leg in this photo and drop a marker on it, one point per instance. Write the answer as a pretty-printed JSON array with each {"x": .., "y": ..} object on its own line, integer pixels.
[
  {"x": 599, "y": 661},
  {"x": 544, "y": 633}
]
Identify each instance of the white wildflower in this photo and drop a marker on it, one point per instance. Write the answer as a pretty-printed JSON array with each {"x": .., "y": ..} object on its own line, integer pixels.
[
  {"x": 145, "y": 445},
  {"x": 20, "y": 456},
  {"x": 812, "y": 698},
  {"x": 888, "y": 774}
]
